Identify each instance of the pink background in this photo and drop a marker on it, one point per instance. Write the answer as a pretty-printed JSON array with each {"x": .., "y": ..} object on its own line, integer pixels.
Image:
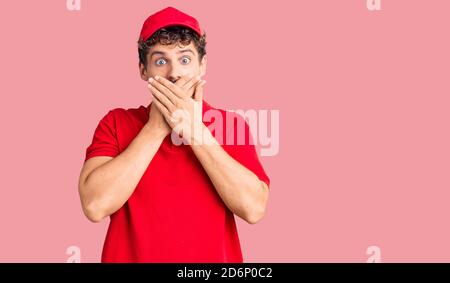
[{"x": 364, "y": 110}]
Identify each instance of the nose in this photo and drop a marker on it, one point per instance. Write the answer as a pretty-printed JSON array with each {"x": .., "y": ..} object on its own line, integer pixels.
[{"x": 174, "y": 73}]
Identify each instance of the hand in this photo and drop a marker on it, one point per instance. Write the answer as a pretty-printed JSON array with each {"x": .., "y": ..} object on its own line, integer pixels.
[
  {"x": 188, "y": 83},
  {"x": 181, "y": 112},
  {"x": 156, "y": 119}
]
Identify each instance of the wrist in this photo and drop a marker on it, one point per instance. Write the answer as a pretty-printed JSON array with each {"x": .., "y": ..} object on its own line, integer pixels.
[
  {"x": 202, "y": 136},
  {"x": 155, "y": 130}
]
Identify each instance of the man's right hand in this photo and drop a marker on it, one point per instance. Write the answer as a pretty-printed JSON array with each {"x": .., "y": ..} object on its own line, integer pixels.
[{"x": 156, "y": 119}]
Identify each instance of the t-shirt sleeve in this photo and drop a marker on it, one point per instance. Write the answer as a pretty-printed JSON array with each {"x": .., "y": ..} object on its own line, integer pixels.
[
  {"x": 245, "y": 152},
  {"x": 104, "y": 141}
]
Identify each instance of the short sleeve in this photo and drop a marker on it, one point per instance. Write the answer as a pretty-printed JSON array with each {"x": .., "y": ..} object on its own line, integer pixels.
[
  {"x": 104, "y": 141},
  {"x": 245, "y": 152}
]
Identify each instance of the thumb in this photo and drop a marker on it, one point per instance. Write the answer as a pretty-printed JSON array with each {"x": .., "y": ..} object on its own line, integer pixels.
[{"x": 198, "y": 95}]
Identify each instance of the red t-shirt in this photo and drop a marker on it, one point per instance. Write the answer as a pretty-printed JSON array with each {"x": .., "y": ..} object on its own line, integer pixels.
[{"x": 175, "y": 213}]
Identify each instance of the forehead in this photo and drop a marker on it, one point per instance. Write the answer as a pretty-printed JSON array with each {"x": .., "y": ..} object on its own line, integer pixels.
[{"x": 172, "y": 49}]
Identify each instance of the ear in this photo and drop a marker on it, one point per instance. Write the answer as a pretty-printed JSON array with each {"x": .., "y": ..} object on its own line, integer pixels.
[
  {"x": 143, "y": 72},
  {"x": 203, "y": 66}
]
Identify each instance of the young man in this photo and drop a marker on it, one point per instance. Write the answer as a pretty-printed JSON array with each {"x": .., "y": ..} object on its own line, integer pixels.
[{"x": 172, "y": 202}]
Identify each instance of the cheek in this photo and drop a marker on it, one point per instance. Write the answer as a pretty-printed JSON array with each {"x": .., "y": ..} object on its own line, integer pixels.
[
  {"x": 193, "y": 69},
  {"x": 160, "y": 71}
]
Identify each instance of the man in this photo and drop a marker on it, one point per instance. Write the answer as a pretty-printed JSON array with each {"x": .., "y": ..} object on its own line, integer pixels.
[{"x": 170, "y": 201}]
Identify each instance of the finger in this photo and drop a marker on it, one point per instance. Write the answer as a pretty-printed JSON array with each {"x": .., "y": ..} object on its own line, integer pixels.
[
  {"x": 192, "y": 83},
  {"x": 182, "y": 81},
  {"x": 198, "y": 96},
  {"x": 189, "y": 93},
  {"x": 162, "y": 98},
  {"x": 176, "y": 90},
  {"x": 161, "y": 108},
  {"x": 165, "y": 90},
  {"x": 189, "y": 87}
]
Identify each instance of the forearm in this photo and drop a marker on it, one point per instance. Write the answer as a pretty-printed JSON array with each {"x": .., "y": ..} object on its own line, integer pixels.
[
  {"x": 109, "y": 186},
  {"x": 239, "y": 188}
]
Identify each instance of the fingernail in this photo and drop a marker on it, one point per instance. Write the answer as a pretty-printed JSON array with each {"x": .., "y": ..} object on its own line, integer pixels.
[
  {"x": 156, "y": 77},
  {"x": 150, "y": 80}
]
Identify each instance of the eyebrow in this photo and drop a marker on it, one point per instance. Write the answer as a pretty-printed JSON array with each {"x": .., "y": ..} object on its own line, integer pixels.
[{"x": 157, "y": 52}]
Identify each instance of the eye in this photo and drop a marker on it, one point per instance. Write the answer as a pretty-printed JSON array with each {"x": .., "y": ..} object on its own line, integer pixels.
[
  {"x": 185, "y": 60},
  {"x": 160, "y": 62}
]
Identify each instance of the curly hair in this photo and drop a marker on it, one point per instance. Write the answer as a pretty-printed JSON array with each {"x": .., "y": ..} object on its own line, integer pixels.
[{"x": 169, "y": 36}]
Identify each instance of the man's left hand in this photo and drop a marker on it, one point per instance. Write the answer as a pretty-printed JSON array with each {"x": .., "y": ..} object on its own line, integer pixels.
[{"x": 182, "y": 113}]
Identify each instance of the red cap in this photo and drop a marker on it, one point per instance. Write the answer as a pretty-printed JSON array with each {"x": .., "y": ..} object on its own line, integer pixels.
[{"x": 168, "y": 17}]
